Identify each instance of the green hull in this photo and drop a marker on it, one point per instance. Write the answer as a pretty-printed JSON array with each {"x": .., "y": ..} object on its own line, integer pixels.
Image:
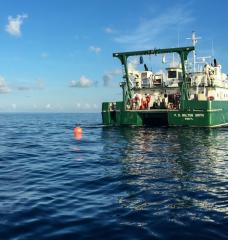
[
  {"x": 201, "y": 114},
  {"x": 198, "y": 114}
]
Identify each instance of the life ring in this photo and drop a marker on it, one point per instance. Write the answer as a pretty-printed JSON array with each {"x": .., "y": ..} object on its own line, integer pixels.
[{"x": 211, "y": 98}]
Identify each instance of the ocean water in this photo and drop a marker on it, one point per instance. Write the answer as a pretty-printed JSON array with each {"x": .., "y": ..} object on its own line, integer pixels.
[{"x": 110, "y": 183}]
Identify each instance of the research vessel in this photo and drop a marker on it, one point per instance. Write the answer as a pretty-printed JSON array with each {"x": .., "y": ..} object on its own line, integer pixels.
[{"x": 182, "y": 96}]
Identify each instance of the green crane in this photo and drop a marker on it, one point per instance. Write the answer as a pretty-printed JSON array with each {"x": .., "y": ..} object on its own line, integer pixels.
[{"x": 183, "y": 53}]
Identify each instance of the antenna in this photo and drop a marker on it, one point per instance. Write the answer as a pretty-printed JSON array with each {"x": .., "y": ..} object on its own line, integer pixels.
[
  {"x": 178, "y": 38},
  {"x": 212, "y": 48},
  {"x": 194, "y": 41}
]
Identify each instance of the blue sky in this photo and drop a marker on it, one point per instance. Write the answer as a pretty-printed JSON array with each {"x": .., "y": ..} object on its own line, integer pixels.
[{"x": 56, "y": 55}]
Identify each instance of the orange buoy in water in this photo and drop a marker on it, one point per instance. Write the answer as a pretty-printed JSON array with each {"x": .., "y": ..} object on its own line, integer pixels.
[
  {"x": 77, "y": 130},
  {"x": 78, "y": 133}
]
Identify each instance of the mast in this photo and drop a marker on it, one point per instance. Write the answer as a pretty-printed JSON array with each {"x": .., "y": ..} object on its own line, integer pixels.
[{"x": 194, "y": 41}]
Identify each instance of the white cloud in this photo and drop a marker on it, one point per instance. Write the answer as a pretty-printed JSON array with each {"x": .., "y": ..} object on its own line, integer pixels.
[
  {"x": 108, "y": 77},
  {"x": 27, "y": 86},
  {"x": 3, "y": 86},
  {"x": 108, "y": 30},
  {"x": 13, "y": 26},
  {"x": 23, "y": 88},
  {"x": 48, "y": 106},
  {"x": 44, "y": 55},
  {"x": 156, "y": 29},
  {"x": 95, "y": 49},
  {"x": 132, "y": 65},
  {"x": 78, "y": 105},
  {"x": 14, "y": 106},
  {"x": 87, "y": 105},
  {"x": 83, "y": 82}
]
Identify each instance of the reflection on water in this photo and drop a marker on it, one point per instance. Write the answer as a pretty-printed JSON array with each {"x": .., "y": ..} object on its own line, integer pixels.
[{"x": 176, "y": 172}]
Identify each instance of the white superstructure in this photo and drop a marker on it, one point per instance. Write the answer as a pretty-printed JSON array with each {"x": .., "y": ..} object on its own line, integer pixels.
[{"x": 162, "y": 89}]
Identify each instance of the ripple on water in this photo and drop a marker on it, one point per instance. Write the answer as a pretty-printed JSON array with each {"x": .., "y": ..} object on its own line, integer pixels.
[{"x": 124, "y": 183}]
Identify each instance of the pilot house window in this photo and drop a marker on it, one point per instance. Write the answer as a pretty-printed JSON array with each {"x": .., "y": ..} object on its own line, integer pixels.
[{"x": 172, "y": 74}]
